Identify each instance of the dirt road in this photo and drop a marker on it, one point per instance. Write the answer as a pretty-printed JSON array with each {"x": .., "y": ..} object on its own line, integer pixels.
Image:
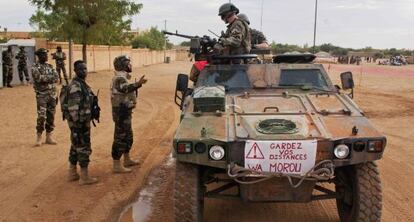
[{"x": 33, "y": 185}]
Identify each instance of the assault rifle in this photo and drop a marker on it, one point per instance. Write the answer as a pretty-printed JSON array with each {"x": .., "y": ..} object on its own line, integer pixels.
[
  {"x": 201, "y": 47},
  {"x": 96, "y": 110}
]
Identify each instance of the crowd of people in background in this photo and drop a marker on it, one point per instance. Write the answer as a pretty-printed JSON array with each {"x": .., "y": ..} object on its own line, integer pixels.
[{"x": 22, "y": 65}]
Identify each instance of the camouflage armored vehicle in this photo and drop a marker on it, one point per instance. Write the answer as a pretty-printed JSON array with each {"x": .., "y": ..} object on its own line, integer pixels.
[{"x": 279, "y": 132}]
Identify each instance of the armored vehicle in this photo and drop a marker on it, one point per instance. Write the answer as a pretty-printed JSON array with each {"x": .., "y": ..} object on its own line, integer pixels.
[{"x": 279, "y": 132}]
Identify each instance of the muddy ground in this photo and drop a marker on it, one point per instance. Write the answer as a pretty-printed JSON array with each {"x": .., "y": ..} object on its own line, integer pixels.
[{"x": 33, "y": 185}]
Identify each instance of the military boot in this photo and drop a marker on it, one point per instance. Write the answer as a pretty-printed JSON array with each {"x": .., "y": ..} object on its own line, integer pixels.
[
  {"x": 84, "y": 177},
  {"x": 49, "y": 139},
  {"x": 39, "y": 139},
  {"x": 119, "y": 168},
  {"x": 128, "y": 162},
  {"x": 72, "y": 173}
]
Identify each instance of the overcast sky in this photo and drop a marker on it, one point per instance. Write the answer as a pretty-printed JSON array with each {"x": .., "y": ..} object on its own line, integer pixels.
[{"x": 347, "y": 23}]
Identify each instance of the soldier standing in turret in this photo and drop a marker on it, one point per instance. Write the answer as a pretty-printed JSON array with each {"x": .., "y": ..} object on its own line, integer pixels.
[
  {"x": 123, "y": 100},
  {"x": 59, "y": 56},
  {"x": 7, "y": 59},
  {"x": 44, "y": 84},
  {"x": 236, "y": 39},
  {"x": 22, "y": 65},
  {"x": 258, "y": 39}
]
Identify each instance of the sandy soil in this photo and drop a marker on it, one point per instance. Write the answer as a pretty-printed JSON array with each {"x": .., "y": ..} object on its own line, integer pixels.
[{"x": 33, "y": 185}]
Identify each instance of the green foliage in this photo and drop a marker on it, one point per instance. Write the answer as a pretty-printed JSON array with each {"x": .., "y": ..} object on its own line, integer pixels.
[
  {"x": 3, "y": 40},
  {"x": 338, "y": 51},
  {"x": 283, "y": 48},
  {"x": 379, "y": 55},
  {"x": 152, "y": 39},
  {"x": 185, "y": 43},
  {"x": 38, "y": 34},
  {"x": 85, "y": 21}
]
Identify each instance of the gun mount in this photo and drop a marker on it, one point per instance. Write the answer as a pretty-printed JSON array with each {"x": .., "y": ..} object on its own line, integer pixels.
[
  {"x": 204, "y": 49},
  {"x": 201, "y": 47}
]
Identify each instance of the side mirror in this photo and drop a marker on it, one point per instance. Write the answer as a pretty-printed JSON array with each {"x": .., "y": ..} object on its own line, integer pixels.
[
  {"x": 182, "y": 87},
  {"x": 348, "y": 82}
]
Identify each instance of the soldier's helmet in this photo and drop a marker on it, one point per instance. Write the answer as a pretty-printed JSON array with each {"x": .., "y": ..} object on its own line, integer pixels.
[
  {"x": 244, "y": 17},
  {"x": 59, "y": 48},
  {"x": 121, "y": 62},
  {"x": 41, "y": 51},
  {"x": 228, "y": 8}
]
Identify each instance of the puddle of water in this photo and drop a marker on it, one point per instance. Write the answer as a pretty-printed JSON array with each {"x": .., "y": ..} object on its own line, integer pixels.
[{"x": 140, "y": 210}]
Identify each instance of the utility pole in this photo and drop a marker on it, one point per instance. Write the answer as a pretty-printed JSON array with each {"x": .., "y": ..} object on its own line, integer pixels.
[
  {"x": 261, "y": 18},
  {"x": 314, "y": 27},
  {"x": 165, "y": 42}
]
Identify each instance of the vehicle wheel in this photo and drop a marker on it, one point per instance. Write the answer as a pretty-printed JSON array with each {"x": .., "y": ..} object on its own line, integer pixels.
[
  {"x": 188, "y": 193},
  {"x": 359, "y": 193}
]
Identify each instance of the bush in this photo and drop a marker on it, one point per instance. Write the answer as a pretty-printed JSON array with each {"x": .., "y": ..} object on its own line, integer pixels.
[
  {"x": 185, "y": 43},
  {"x": 152, "y": 39}
]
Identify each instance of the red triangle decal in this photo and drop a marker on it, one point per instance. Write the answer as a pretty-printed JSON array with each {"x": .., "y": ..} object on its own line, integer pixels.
[{"x": 255, "y": 152}]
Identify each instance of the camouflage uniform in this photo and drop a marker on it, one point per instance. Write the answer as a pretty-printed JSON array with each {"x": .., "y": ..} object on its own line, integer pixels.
[
  {"x": 60, "y": 58},
  {"x": 44, "y": 84},
  {"x": 257, "y": 37},
  {"x": 79, "y": 101},
  {"x": 22, "y": 65},
  {"x": 7, "y": 58},
  {"x": 237, "y": 38},
  {"x": 123, "y": 101}
]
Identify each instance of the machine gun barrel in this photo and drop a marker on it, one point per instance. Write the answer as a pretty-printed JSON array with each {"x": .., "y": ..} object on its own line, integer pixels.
[{"x": 179, "y": 35}]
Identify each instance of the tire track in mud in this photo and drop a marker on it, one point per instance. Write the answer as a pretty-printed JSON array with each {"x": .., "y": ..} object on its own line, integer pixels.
[
  {"x": 152, "y": 150},
  {"x": 36, "y": 178},
  {"x": 396, "y": 105},
  {"x": 49, "y": 197}
]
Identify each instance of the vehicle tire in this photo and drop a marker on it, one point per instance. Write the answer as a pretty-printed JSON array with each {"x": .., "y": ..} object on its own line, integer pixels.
[
  {"x": 359, "y": 193},
  {"x": 188, "y": 193}
]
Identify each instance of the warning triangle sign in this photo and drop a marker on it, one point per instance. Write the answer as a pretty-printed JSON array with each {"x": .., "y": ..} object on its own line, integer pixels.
[{"x": 255, "y": 152}]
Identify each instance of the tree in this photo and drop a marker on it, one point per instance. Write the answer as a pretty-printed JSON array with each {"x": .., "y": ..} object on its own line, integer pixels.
[
  {"x": 378, "y": 55},
  {"x": 85, "y": 21},
  {"x": 185, "y": 43},
  {"x": 326, "y": 47},
  {"x": 152, "y": 39}
]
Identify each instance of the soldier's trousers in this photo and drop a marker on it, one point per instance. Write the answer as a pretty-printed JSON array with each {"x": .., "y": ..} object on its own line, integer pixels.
[
  {"x": 80, "y": 149},
  {"x": 7, "y": 74},
  {"x": 46, "y": 108},
  {"x": 23, "y": 71},
  {"x": 123, "y": 136},
  {"x": 61, "y": 69}
]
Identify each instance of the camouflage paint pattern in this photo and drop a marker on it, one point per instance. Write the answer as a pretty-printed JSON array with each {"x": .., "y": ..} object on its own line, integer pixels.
[
  {"x": 44, "y": 84},
  {"x": 257, "y": 37},
  {"x": 237, "y": 38},
  {"x": 7, "y": 58},
  {"x": 79, "y": 103},
  {"x": 22, "y": 65},
  {"x": 60, "y": 58},
  {"x": 123, "y": 100}
]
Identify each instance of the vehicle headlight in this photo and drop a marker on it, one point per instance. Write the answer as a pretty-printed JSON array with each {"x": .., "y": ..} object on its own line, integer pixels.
[
  {"x": 217, "y": 152},
  {"x": 341, "y": 151}
]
